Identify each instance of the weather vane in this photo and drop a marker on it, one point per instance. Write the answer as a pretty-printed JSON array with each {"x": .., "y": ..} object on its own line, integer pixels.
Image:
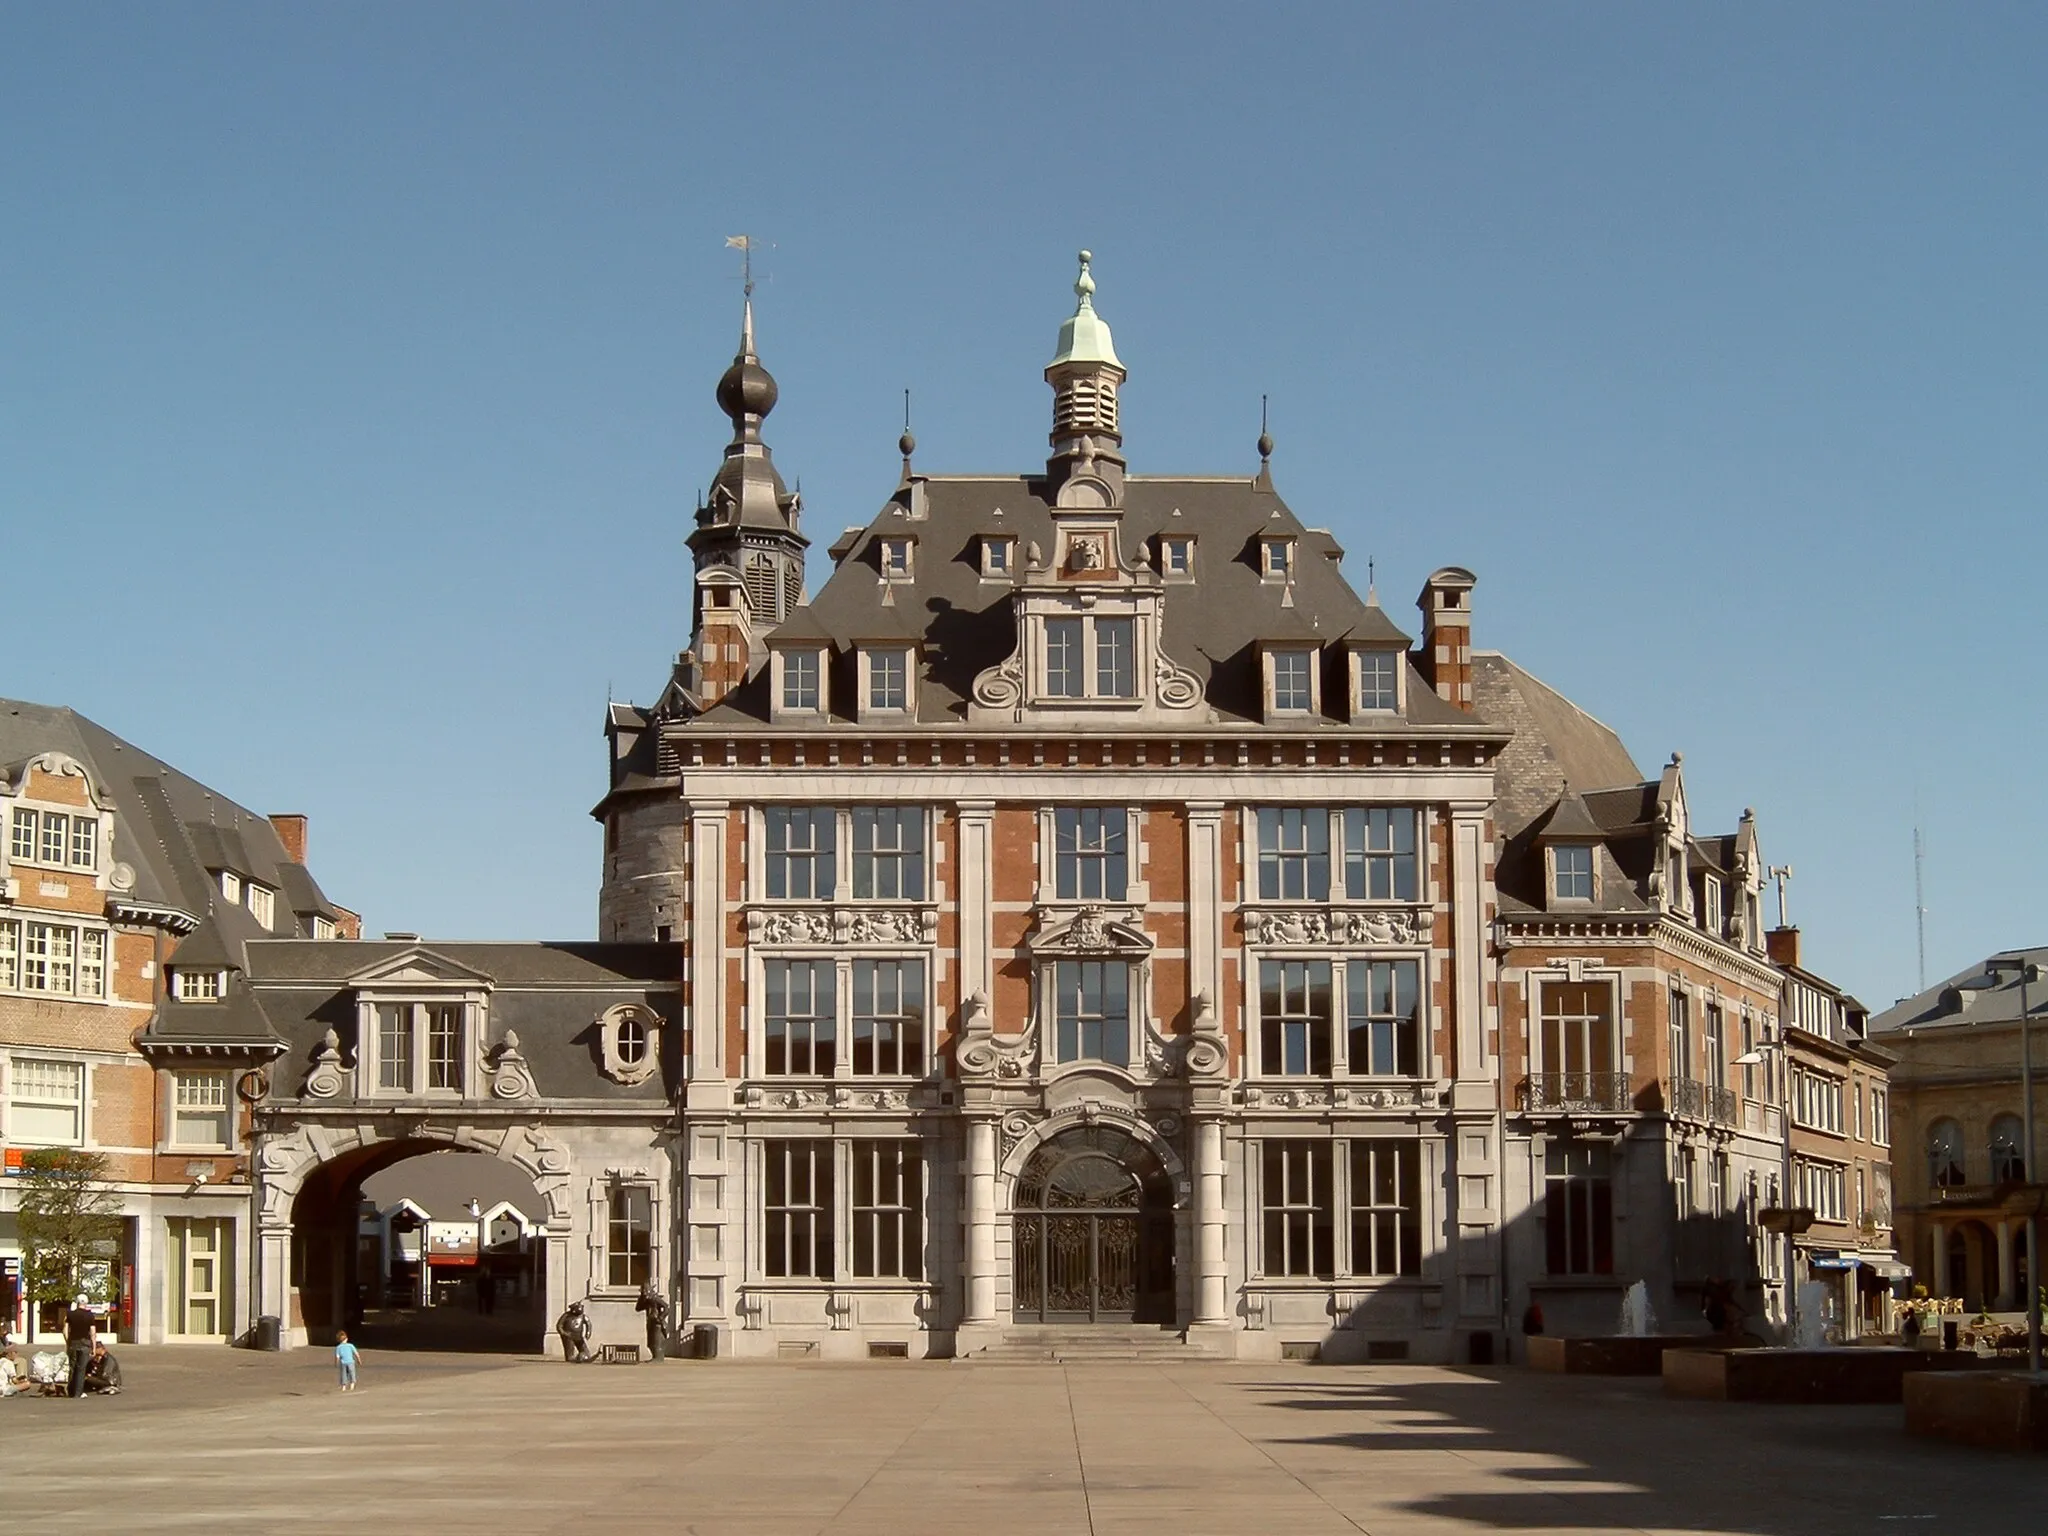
[{"x": 744, "y": 244}]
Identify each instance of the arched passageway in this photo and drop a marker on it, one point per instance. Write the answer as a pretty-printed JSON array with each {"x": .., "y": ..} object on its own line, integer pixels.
[
  {"x": 1093, "y": 1231},
  {"x": 412, "y": 1246}
]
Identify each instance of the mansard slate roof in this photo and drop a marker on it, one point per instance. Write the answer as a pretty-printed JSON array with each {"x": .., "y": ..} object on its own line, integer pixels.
[
  {"x": 294, "y": 991},
  {"x": 1212, "y": 625},
  {"x": 170, "y": 829},
  {"x": 1987, "y": 992}
]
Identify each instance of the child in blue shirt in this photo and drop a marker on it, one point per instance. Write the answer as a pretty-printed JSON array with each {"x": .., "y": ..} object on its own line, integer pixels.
[{"x": 345, "y": 1356}]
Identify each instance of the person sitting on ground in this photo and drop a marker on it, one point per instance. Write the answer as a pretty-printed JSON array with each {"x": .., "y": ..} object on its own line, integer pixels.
[
  {"x": 102, "y": 1371},
  {"x": 13, "y": 1374}
]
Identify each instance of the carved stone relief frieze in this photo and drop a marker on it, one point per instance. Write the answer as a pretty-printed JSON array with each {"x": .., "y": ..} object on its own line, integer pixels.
[
  {"x": 1278, "y": 926},
  {"x": 842, "y": 925}
]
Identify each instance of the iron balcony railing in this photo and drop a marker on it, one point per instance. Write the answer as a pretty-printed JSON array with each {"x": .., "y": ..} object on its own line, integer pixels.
[
  {"x": 1602, "y": 1093},
  {"x": 1695, "y": 1100}
]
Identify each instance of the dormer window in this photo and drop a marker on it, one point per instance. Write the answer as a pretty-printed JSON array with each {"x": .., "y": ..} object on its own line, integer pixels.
[
  {"x": 897, "y": 554},
  {"x": 1177, "y": 557},
  {"x": 1276, "y": 559},
  {"x": 1710, "y": 890},
  {"x": 193, "y": 986},
  {"x": 885, "y": 679},
  {"x": 262, "y": 903},
  {"x": 231, "y": 886},
  {"x": 1091, "y": 658},
  {"x": 1291, "y": 680},
  {"x": 800, "y": 680},
  {"x": 1572, "y": 872},
  {"x": 1379, "y": 681},
  {"x": 998, "y": 555}
]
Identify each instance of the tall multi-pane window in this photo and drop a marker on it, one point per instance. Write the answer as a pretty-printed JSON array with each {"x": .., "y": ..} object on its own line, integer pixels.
[
  {"x": 797, "y": 1207},
  {"x": 1293, "y": 690},
  {"x": 2008, "y": 1160},
  {"x": 1574, "y": 864},
  {"x": 56, "y": 837},
  {"x": 1714, "y": 1045},
  {"x": 1880, "y": 1117},
  {"x": 1092, "y": 1010},
  {"x": 1294, "y": 1017},
  {"x": 1378, "y": 681},
  {"x": 53, "y": 957},
  {"x": 1382, "y": 1016},
  {"x": 85, "y": 842},
  {"x": 889, "y": 678},
  {"x": 394, "y": 1047},
  {"x": 200, "y": 1109},
  {"x": 1064, "y": 677},
  {"x": 629, "y": 1236},
  {"x": 1294, "y": 854},
  {"x": 46, "y": 1102},
  {"x": 444, "y": 1045},
  {"x": 887, "y": 1210},
  {"x": 1681, "y": 1034},
  {"x": 1091, "y": 859},
  {"x": 801, "y": 1033},
  {"x": 21, "y": 845},
  {"x": 1578, "y": 1029},
  {"x": 1379, "y": 854},
  {"x": 1386, "y": 1208},
  {"x": 800, "y": 674},
  {"x": 1298, "y": 1210},
  {"x": 1944, "y": 1154},
  {"x": 888, "y": 1018},
  {"x": 802, "y": 848},
  {"x": 1578, "y": 1209},
  {"x": 262, "y": 904},
  {"x": 888, "y": 853},
  {"x": 1116, "y": 658},
  {"x": 1748, "y": 1049}
]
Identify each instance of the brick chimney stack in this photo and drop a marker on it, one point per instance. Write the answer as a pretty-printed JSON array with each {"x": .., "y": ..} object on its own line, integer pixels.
[
  {"x": 1446, "y": 604},
  {"x": 291, "y": 831},
  {"x": 1783, "y": 946}
]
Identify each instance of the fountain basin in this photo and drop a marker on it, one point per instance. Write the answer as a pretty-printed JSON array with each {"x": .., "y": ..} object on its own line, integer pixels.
[
  {"x": 2000, "y": 1410},
  {"x": 1855, "y": 1374},
  {"x": 1617, "y": 1355}
]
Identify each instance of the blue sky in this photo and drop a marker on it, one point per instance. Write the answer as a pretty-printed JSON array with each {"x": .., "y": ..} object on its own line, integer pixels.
[{"x": 356, "y": 369}]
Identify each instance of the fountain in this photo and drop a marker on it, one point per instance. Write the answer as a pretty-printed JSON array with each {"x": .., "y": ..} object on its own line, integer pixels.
[
  {"x": 1810, "y": 1329},
  {"x": 1638, "y": 1318}
]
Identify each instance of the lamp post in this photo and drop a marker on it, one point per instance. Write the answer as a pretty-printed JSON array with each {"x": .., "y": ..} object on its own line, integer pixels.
[
  {"x": 1784, "y": 1076},
  {"x": 476, "y": 1214},
  {"x": 2029, "y": 972}
]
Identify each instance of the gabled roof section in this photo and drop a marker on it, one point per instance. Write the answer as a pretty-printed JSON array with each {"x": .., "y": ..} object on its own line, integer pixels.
[
  {"x": 1567, "y": 821},
  {"x": 1555, "y": 744},
  {"x": 416, "y": 965}
]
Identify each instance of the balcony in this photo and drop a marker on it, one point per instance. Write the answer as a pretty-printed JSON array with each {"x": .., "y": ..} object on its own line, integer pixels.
[
  {"x": 1693, "y": 1100},
  {"x": 1578, "y": 1093}
]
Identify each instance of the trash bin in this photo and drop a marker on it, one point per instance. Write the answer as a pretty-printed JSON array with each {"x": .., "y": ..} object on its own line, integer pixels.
[
  {"x": 269, "y": 1333},
  {"x": 1482, "y": 1349},
  {"x": 704, "y": 1341}
]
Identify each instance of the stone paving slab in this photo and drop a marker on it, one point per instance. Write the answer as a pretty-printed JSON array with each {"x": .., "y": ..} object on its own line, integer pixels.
[{"x": 219, "y": 1440}]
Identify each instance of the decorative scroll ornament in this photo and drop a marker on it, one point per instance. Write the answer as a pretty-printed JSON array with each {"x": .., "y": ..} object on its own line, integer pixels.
[
  {"x": 1090, "y": 930},
  {"x": 510, "y": 1077},
  {"x": 1367, "y": 925},
  {"x": 984, "y": 1053},
  {"x": 1002, "y": 685},
  {"x": 325, "y": 1080},
  {"x": 1175, "y": 687},
  {"x": 1208, "y": 1052},
  {"x": 888, "y": 927}
]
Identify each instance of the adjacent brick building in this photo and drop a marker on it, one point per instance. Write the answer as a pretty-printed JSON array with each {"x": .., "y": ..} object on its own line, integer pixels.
[{"x": 119, "y": 875}]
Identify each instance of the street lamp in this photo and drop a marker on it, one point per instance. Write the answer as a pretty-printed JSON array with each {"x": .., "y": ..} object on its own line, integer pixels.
[{"x": 1786, "y": 1213}]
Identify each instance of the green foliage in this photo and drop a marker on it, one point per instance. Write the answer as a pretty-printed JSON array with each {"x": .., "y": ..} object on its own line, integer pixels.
[{"x": 70, "y": 1234}]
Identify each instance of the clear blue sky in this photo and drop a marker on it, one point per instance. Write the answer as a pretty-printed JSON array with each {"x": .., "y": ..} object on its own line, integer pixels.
[{"x": 356, "y": 368}]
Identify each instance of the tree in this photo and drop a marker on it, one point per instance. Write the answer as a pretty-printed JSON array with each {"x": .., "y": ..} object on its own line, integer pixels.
[{"x": 70, "y": 1234}]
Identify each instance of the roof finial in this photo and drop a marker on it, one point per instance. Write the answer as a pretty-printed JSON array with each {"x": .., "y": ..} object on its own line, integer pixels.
[
  {"x": 1084, "y": 285},
  {"x": 906, "y": 444},
  {"x": 744, "y": 244},
  {"x": 1265, "y": 438},
  {"x": 1372, "y": 590}
]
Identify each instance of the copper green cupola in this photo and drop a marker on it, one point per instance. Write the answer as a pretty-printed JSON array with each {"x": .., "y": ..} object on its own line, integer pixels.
[{"x": 1085, "y": 374}]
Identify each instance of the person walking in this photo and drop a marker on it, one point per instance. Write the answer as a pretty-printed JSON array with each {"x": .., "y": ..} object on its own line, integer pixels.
[
  {"x": 345, "y": 1358},
  {"x": 81, "y": 1328}
]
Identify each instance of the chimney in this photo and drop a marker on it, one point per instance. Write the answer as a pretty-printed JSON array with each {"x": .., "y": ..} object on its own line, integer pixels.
[
  {"x": 291, "y": 831},
  {"x": 1446, "y": 604},
  {"x": 725, "y": 636},
  {"x": 1783, "y": 946}
]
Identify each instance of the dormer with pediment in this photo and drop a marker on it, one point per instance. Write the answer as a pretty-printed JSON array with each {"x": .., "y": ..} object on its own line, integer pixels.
[{"x": 422, "y": 1021}]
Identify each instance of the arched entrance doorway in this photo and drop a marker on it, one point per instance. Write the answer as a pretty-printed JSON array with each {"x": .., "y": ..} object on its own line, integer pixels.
[
  {"x": 1093, "y": 1231},
  {"x": 410, "y": 1245}
]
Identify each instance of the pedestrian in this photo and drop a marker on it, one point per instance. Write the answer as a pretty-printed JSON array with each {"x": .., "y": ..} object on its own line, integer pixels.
[
  {"x": 80, "y": 1329},
  {"x": 345, "y": 1356},
  {"x": 1909, "y": 1330},
  {"x": 103, "y": 1373}
]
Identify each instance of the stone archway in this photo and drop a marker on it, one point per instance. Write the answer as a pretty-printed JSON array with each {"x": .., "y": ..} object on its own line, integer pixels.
[
  {"x": 307, "y": 1174},
  {"x": 1093, "y": 1227}
]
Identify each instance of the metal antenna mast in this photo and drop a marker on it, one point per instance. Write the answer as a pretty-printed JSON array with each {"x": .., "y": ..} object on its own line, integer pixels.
[{"x": 1920, "y": 903}]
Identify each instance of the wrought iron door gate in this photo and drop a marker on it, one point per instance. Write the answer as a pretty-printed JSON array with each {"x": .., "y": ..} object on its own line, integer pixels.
[{"x": 1080, "y": 1235}]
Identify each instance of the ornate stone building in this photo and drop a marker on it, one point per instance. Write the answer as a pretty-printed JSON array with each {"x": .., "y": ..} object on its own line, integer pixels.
[{"x": 1089, "y": 908}]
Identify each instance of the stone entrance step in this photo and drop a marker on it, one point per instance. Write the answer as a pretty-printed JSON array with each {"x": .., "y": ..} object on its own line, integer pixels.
[{"x": 1089, "y": 1343}]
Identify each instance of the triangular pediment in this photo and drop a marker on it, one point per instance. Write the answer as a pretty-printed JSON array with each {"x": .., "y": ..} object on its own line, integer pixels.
[
  {"x": 1089, "y": 931},
  {"x": 419, "y": 966}
]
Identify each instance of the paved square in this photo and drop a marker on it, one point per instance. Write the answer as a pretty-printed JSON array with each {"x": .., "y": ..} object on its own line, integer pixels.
[{"x": 220, "y": 1440}]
